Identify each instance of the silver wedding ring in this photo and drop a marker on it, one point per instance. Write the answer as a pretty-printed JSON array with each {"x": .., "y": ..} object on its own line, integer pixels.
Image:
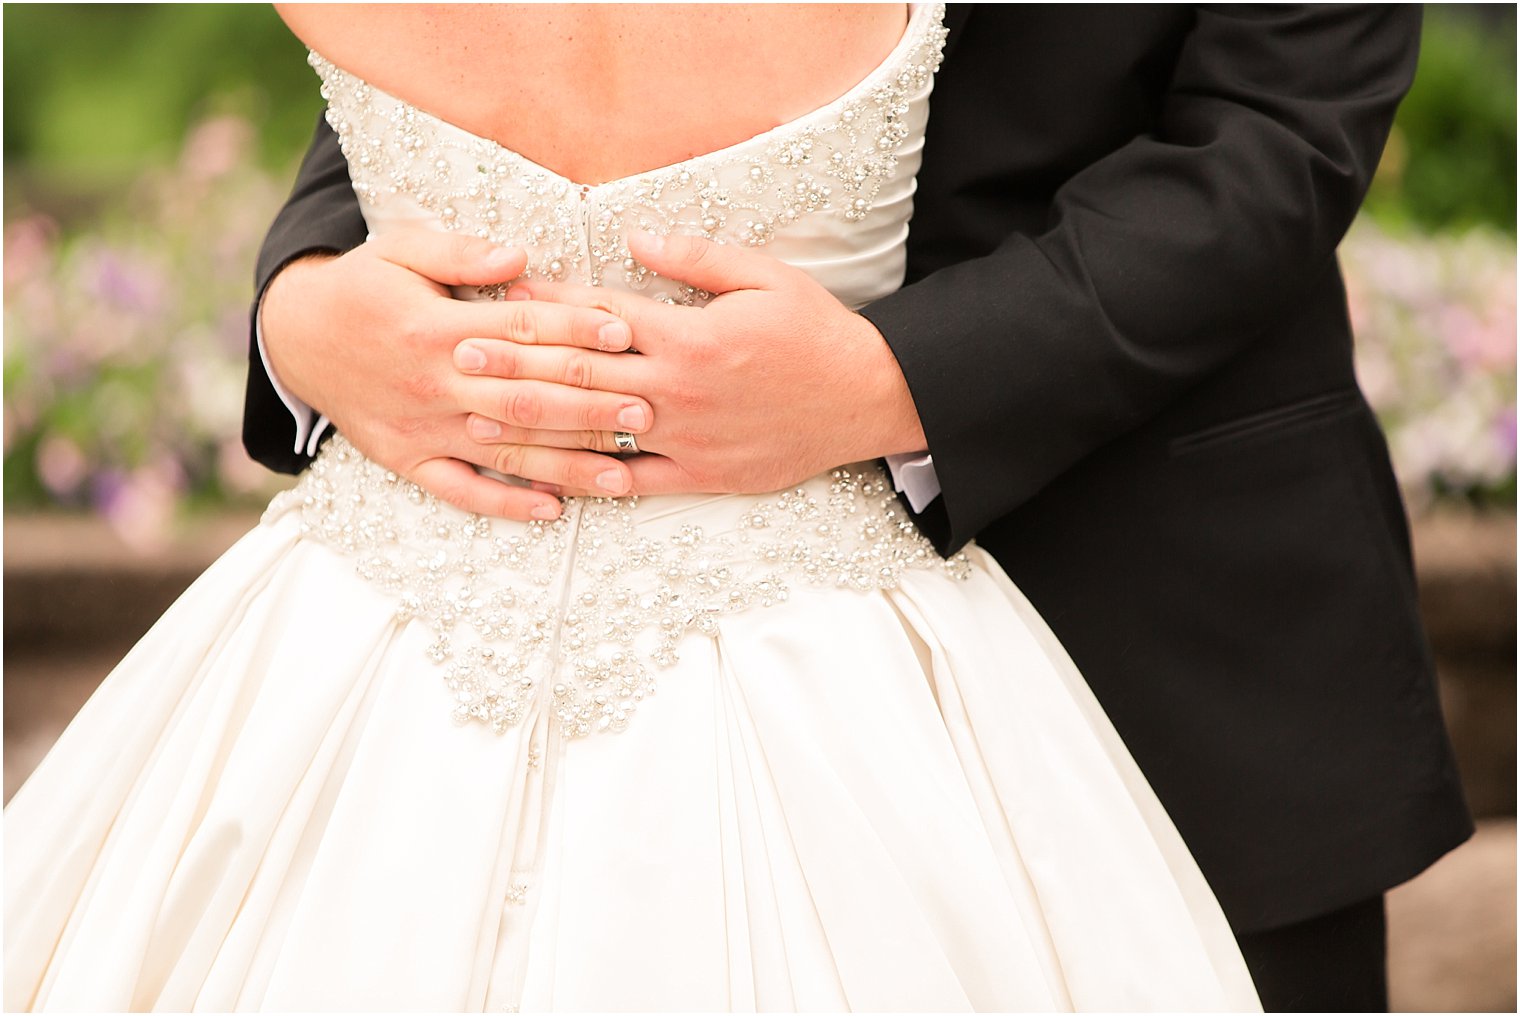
[{"x": 625, "y": 442}]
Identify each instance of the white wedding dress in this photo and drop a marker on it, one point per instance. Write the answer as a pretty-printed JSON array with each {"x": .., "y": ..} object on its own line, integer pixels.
[{"x": 667, "y": 753}]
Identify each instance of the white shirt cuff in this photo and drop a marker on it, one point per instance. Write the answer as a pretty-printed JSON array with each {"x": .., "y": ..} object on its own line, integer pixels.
[
  {"x": 913, "y": 475},
  {"x": 308, "y": 432}
]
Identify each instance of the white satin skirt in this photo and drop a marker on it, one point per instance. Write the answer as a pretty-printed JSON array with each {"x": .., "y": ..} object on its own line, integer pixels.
[{"x": 899, "y": 798}]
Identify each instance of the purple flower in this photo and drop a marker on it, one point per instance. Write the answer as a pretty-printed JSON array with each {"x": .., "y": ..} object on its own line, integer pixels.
[
  {"x": 1504, "y": 433},
  {"x": 140, "y": 505},
  {"x": 132, "y": 288}
]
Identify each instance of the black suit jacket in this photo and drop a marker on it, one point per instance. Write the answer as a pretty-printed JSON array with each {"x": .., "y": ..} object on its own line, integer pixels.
[{"x": 1125, "y": 332}]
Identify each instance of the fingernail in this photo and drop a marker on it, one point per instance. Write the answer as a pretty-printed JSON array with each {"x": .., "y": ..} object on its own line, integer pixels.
[
  {"x": 467, "y": 357},
  {"x": 614, "y": 337},
  {"x": 483, "y": 429},
  {"x": 518, "y": 293},
  {"x": 652, "y": 242},
  {"x": 546, "y": 512},
  {"x": 632, "y": 418},
  {"x": 500, "y": 257},
  {"x": 611, "y": 481}
]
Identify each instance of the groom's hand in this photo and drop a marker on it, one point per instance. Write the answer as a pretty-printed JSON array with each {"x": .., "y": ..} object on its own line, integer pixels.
[
  {"x": 773, "y": 381},
  {"x": 369, "y": 339}
]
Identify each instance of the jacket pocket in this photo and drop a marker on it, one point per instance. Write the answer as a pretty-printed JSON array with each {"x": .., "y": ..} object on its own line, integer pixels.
[{"x": 1268, "y": 423}]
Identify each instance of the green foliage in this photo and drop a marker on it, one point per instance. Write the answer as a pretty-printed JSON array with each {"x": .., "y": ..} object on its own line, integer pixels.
[
  {"x": 1450, "y": 162},
  {"x": 93, "y": 92}
]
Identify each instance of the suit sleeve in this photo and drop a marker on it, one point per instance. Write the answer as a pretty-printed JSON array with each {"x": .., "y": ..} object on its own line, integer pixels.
[
  {"x": 321, "y": 214},
  {"x": 1158, "y": 262}
]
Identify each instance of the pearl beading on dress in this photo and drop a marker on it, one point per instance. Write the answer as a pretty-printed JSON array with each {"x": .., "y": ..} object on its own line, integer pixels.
[
  {"x": 576, "y": 614},
  {"x": 589, "y": 604},
  {"x": 831, "y": 164}
]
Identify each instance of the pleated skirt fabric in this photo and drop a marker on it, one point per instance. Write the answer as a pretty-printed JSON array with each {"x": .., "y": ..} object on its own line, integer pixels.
[{"x": 904, "y": 799}]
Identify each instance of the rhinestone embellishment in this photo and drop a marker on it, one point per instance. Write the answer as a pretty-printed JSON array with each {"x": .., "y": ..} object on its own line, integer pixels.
[
  {"x": 743, "y": 194},
  {"x": 577, "y": 615},
  {"x": 580, "y": 612}
]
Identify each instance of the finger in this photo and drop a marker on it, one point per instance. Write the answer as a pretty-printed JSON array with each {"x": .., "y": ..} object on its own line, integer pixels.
[
  {"x": 461, "y": 486},
  {"x": 697, "y": 261},
  {"x": 626, "y": 377},
  {"x": 655, "y": 474},
  {"x": 531, "y": 322},
  {"x": 450, "y": 258},
  {"x": 567, "y": 492},
  {"x": 487, "y": 431},
  {"x": 564, "y": 468},
  {"x": 649, "y": 319}
]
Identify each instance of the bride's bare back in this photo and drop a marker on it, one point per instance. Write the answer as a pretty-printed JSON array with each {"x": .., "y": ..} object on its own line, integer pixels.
[{"x": 598, "y": 92}]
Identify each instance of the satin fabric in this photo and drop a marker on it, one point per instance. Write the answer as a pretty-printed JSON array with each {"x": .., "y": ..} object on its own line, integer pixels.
[
  {"x": 905, "y": 800},
  {"x": 899, "y": 798}
]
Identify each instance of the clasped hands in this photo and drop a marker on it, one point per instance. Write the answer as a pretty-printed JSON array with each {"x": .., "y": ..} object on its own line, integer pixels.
[{"x": 773, "y": 381}]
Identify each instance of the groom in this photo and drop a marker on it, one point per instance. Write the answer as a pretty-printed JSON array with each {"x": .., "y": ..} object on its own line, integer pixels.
[{"x": 1123, "y": 344}]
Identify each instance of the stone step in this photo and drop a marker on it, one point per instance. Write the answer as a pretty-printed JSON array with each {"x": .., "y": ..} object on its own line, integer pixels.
[
  {"x": 1451, "y": 931},
  {"x": 72, "y": 580}
]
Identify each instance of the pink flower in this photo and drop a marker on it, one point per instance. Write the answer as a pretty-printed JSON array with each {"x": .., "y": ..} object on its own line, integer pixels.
[
  {"x": 132, "y": 287},
  {"x": 140, "y": 505},
  {"x": 239, "y": 473},
  {"x": 215, "y": 147},
  {"x": 61, "y": 466},
  {"x": 29, "y": 246},
  {"x": 1504, "y": 432}
]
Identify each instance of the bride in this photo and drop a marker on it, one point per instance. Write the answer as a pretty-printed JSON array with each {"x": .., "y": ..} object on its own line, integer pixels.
[{"x": 673, "y": 752}]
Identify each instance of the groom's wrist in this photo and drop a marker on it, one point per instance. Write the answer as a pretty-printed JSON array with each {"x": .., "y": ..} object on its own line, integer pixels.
[{"x": 282, "y": 310}]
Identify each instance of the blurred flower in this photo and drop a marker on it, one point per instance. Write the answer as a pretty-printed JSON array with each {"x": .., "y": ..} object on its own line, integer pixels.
[
  {"x": 131, "y": 294},
  {"x": 61, "y": 465},
  {"x": 216, "y": 147},
  {"x": 1435, "y": 354},
  {"x": 239, "y": 473},
  {"x": 125, "y": 343},
  {"x": 28, "y": 249},
  {"x": 140, "y": 505},
  {"x": 1504, "y": 432}
]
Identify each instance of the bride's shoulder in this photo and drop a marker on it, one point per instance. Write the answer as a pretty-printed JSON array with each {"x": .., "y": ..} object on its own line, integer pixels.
[
  {"x": 446, "y": 57},
  {"x": 367, "y": 37}
]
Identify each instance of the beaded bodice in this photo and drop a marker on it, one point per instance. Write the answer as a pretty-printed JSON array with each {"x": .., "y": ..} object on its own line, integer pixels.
[
  {"x": 574, "y": 616},
  {"x": 830, "y": 191}
]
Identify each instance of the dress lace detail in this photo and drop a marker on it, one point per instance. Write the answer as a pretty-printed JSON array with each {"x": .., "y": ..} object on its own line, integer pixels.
[
  {"x": 832, "y": 161},
  {"x": 588, "y": 603},
  {"x": 578, "y": 613}
]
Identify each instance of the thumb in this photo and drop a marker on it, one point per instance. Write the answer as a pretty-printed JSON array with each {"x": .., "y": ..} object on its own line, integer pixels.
[
  {"x": 450, "y": 258},
  {"x": 696, "y": 261}
]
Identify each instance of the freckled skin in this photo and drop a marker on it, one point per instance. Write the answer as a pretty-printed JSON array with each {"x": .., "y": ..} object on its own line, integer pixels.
[{"x": 597, "y": 92}]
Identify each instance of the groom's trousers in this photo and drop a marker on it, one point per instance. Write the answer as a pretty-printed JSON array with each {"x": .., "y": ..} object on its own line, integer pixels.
[{"x": 1336, "y": 962}]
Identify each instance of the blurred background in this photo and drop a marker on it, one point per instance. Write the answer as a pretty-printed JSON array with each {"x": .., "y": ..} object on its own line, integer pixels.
[{"x": 148, "y": 147}]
